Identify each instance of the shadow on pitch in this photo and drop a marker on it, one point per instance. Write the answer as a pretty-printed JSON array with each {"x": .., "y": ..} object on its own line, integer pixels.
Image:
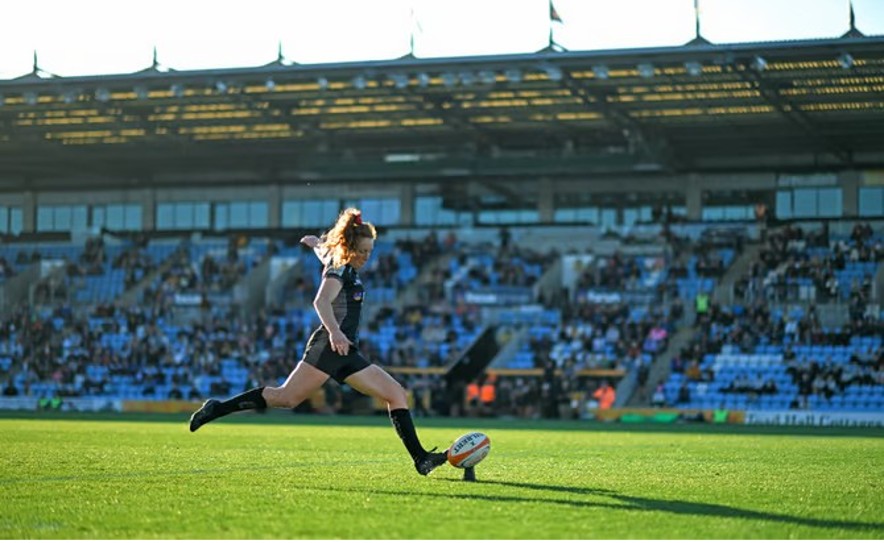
[
  {"x": 679, "y": 507},
  {"x": 628, "y": 503},
  {"x": 163, "y": 474}
]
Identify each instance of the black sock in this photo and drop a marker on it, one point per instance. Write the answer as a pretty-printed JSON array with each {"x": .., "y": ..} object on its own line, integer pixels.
[
  {"x": 405, "y": 428},
  {"x": 251, "y": 399}
]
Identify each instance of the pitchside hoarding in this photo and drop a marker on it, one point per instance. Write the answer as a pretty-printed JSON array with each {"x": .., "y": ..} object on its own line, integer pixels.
[{"x": 815, "y": 418}]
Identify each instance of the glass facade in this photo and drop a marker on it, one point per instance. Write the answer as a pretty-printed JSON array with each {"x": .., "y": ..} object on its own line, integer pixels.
[
  {"x": 379, "y": 211},
  {"x": 577, "y": 214},
  {"x": 604, "y": 210},
  {"x": 728, "y": 213},
  {"x": 431, "y": 211},
  {"x": 810, "y": 203},
  {"x": 117, "y": 216},
  {"x": 235, "y": 215},
  {"x": 509, "y": 216},
  {"x": 309, "y": 213},
  {"x": 871, "y": 202},
  {"x": 10, "y": 220},
  {"x": 62, "y": 218},
  {"x": 182, "y": 216}
]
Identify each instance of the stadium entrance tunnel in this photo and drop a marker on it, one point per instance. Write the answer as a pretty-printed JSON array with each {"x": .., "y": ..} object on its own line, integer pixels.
[{"x": 474, "y": 360}]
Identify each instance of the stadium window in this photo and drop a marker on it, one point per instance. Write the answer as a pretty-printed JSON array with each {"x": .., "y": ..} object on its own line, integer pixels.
[
  {"x": 809, "y": 203},
  {"x": 527, "y": 216},
  {"x": 132, "y": 217},
  {"x": 728, "y": 213},
  {"x": 165, "y": 217},
  {"x": 117, "y": 216},
  {"x": 509, "y": 216},
  {"x": 739, "y": 213},
  {"x": 829, "y": 202},
  {"x": 489, "y": 217},
  {"x": 380, "y": 211},
  {"x": 221, "y": 221},
  {"x": 201, "y": 212},
  {"x": 712, "y": 214},
  {"x": 259, "y": 214},
  {"x": 608, "y": 218},
  {"x": 312, "y": 213},
  {"x": 61, "y": 218},
  {"x": 10, "y": 220},
  {"x": 784, "y": 204},
  {"x": 45, "y": 219},
  {"x": 98, "y": 219},
  {"x": 632, "y": 215},
  {"x": 181, "y": 216},
  {"x": 431, "y": 211},
  {"x": 16, "y": 220},
  {"x": 426, "y": 210},
  {"x": 577, "y": 214},
  {"x": 290, "y": 213},
  {"x": 871, "y": 202},
  {"x": 804, "y": 203},
  {"x": 238, "y": 214},
  {"x": 79, "y": 217},
  {"x": 246, "y": 214}
]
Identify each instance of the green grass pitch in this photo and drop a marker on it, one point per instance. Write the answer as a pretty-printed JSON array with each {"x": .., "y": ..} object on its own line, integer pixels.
[{"x": 299, "y": 477}]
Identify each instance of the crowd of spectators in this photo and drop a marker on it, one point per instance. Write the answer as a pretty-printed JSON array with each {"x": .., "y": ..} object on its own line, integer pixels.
[
  {"x": 792, "y": 255},
  {"x": 754, "y": 326},
  {"x": 619, "y": 273},
  {"x": 90, "y": 262},
  {"x": 190, "y": 361},
  {"x": 136, "y": 262},
  {"x": 422, "y": 338}
]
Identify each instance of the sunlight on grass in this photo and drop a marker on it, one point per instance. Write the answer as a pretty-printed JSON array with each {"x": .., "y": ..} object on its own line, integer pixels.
[{"x": 138, "y": 480}]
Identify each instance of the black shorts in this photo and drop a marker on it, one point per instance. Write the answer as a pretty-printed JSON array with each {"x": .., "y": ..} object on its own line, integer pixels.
[{"x": 320, "y": 355}]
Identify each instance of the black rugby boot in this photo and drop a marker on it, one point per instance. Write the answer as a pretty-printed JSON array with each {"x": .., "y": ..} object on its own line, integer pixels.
[
  {"x": 430, "y": 461},
  {"x": 206, "y": 413}
]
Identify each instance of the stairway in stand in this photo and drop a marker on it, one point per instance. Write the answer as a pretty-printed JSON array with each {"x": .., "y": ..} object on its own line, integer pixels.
[{"x": 723, "y": 294}]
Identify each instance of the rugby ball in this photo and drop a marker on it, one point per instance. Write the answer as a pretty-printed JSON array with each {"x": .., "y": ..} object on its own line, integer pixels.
[{"x": 468, "y": 450}]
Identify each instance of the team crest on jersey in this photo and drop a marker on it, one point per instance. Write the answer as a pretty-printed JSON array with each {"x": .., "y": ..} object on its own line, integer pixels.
[{"x": 358, "y": 296}]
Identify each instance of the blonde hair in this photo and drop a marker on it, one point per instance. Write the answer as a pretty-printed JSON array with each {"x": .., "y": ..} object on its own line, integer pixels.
[{"x": 341, "y": 240}]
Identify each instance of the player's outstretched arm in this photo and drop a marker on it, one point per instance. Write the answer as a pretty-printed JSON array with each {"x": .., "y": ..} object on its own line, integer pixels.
[
  {"x": 315, "y": 243},
  {"x": 310, "y": 241}
]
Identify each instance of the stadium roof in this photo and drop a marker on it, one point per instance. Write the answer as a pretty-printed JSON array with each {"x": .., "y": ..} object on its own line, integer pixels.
[{"x": 802, "y": 105}]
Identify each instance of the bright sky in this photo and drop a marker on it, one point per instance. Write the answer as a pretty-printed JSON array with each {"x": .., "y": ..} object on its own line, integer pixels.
[{"x": 90, "y": 37}]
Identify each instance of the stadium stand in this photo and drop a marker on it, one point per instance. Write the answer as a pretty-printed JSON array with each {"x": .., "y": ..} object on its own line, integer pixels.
[
  {"x": 772, "y": 356},
  {"x": 699, "y": 238}
]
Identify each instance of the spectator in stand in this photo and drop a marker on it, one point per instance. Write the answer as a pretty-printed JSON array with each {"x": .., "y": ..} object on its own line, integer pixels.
[
  {"x": 605, "y": 395},
  {"x": 684, "y": 393},
  {"x": 701, "y": 305},
  {"x": 693, "y": 372},
  {"x": 504, "y": 236},
  {"x": 10, "y": 389},
  {"x": 658, "y": 398},
  {"x": 472, "y": 399}
]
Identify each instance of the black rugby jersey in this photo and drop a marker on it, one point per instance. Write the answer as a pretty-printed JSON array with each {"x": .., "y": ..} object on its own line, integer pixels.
[{"x": 347, "y": 306}]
